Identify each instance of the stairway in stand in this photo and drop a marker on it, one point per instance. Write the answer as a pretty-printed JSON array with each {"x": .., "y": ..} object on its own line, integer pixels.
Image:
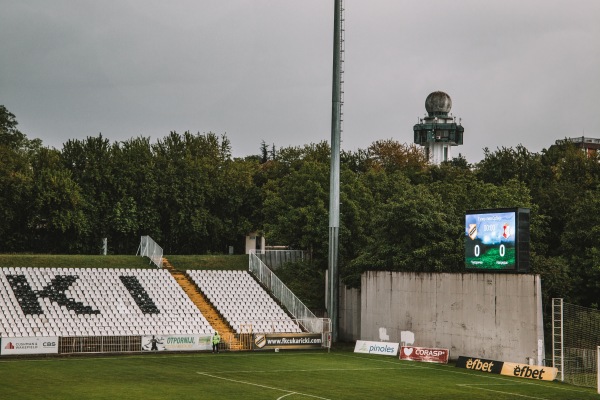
[{"x": 209, "y": 312}]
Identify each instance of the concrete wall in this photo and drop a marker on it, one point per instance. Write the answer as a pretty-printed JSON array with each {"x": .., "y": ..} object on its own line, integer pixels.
[
  {"x": 494, "y": 316},
  {"x": 349, "y": 314}
]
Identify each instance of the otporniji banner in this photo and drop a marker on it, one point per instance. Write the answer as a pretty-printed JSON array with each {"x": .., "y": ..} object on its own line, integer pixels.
[
  {"x": 282, "y": 341},
  {"x": 176, "y": 343},
  {"x": 424, "y": 354},
  {"x": 29, "y": 345}
]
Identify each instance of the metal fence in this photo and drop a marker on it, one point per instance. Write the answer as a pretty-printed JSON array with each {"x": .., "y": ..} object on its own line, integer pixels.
[
  {"x": 99, "y": 344},
  {"x": 286, "y": 297},
  {"x": 149, "y": 248},
  {"x": 277, "y": 258},
  {"x": 575, "y": 337}
]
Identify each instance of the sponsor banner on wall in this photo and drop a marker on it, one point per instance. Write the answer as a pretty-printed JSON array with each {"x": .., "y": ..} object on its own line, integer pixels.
[
  {"x": 529, "y": 371},
  {"x": 381, "y": 348},
  {"x": 29, "y": 345},
  {"x": 269, "y": 341},
  {"x": 480, "y": 364},
  {"x": 424, "y": 354},
  {"x": 176, "y": 343}
]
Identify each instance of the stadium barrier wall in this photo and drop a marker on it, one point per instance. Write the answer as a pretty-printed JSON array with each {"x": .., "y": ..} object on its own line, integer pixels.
[
  {"x": 149, "y": 343},
  {"x": 349, "y": 314},
  {"x": 39, "y": 345},
  {"x": 497, "y": 316}
]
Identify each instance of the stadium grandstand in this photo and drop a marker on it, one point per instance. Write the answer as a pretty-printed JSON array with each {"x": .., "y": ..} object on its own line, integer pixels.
[
  {"x": 241, "y": 300},
  {"x": 95, "y": 302},
  {"x": 99, "y": 310}
]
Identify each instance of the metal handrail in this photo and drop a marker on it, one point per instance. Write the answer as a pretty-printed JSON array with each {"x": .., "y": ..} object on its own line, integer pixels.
[{"x": 285, "y": 296}]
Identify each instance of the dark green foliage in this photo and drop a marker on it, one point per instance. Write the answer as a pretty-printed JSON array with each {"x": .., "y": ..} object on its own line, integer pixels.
[
  {"x": 306, "y": 281},
  {"x": 397, "y": 212}
]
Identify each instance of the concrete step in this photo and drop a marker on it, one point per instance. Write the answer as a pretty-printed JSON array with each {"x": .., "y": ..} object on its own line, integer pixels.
[{"x": 209, "y": 312}]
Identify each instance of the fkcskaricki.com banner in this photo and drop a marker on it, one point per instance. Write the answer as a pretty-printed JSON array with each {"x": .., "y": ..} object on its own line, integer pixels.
[
  {"x": 176, "y": 343},
  {"x": 287, "y": 341},
  {"x": 28, "y": 345},
  {"x": 381, "y": 348},
  {"x": 424, "y": 354}
]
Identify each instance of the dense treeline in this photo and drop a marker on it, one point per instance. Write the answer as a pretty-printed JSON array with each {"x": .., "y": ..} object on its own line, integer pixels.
[{"x": 397, "y": 211}]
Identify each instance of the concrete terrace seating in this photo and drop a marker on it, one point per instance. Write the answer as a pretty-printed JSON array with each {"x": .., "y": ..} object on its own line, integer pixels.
[
  {"x": 95, "y": 302},
  {"x": 243, "y": 302}
]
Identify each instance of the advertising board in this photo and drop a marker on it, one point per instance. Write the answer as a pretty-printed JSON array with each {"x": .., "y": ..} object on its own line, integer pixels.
[
  {"x": 29, "y": 345},
  {"x": 176, "y": 343},
  {"x": 381, "y": 348},
  {"x": 508, "y": 368},
  {"x": 479, "y": 364},
  {"x": 529, "y": 371},
  {"x": 269, "y": 341},
  {"x": 424, "y": 354}
]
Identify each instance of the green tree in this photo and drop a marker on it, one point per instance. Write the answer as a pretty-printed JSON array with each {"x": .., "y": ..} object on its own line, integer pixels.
[
  {"x": 135, "y": 207},
  {"x": 10, "y": 136},
  {"x": 581, "y": 247},
  {"x": 90, "y": 164},
  {"x": 15, "y": 183},
  {"x": 56, "y": 216}
]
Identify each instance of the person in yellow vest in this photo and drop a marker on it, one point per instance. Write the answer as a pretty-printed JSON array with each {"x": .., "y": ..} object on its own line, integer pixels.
[{"x": 216, "y": 339}]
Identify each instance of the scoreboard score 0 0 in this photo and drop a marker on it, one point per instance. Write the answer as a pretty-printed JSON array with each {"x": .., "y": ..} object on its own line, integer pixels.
[{"x": 497, "y": 239}]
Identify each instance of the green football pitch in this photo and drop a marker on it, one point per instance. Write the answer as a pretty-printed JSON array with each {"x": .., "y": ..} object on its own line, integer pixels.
[{"x": 339, "y": 374}]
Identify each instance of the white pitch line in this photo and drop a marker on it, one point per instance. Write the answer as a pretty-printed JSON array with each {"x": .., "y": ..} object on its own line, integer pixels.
[
  {"x": 286, "y": 395},
  {"x": 290, "y": 392},
  {"x": 477, "y": 386}
]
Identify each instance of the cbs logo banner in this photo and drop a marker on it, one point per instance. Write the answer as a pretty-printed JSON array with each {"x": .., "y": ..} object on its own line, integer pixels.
[{"x": 29, "y": 345}]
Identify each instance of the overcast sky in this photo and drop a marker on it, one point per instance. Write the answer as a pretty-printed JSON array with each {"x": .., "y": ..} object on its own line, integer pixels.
[{"x": 518, "y": 71}]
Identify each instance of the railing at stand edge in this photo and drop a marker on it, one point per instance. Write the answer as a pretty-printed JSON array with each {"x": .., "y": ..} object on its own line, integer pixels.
[
  {"x": 285, "y": 296},
  {"x": 149, "y": 248}
]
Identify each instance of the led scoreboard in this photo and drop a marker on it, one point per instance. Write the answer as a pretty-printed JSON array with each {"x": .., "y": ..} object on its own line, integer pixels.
[{"x": 497, "y": 239}]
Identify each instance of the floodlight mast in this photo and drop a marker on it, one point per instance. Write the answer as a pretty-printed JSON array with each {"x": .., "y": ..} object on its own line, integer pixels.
[{"x": 334, "y": 187}]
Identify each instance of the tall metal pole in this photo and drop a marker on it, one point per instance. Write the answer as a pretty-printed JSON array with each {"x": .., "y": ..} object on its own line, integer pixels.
[{"x": 334, "y": 187}]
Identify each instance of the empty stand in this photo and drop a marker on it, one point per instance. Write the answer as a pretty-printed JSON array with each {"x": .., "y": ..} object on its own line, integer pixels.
[
  {"x": 95, "y": 302},
  {"x": 243, "y": 302}
]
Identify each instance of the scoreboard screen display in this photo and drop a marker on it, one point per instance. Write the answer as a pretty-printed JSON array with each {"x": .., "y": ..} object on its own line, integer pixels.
[{"x": 497, "y": 240}]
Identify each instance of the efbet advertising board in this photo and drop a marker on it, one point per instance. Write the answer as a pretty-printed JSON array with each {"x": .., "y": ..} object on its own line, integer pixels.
[
  {"x": 270, "y": 341},
  {"x": 529, "y": 371},
  {"x": 176, "y": 343},
  {"x": 508, "y": 368},
  {"x": 479, "y": 364},
  {"x": 497, "y": 239},
  {"x": 29, "y": 345},
  {"x": 381, "y": 348},
  {"x": 424, "y": 354}
]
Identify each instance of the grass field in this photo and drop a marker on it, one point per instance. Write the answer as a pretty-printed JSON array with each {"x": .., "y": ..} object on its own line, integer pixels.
[
  {"x": 340, "y": 374},
  {"x": 183, "y": 263},
  {"x": 72, "y": 261},
  {"x": 180, "y": 262}
]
